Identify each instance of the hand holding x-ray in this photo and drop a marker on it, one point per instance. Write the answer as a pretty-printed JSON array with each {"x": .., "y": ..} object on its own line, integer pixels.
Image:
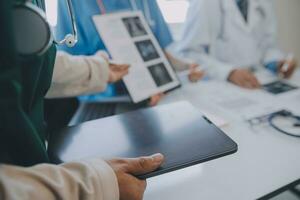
[{"x": 116, "y": 70}]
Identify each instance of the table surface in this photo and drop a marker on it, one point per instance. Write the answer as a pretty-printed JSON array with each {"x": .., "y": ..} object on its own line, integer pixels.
[{"x": 266, "y": 160}]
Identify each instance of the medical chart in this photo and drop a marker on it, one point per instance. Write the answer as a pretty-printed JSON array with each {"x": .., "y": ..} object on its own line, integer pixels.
[{"x": 129, "y": 39}]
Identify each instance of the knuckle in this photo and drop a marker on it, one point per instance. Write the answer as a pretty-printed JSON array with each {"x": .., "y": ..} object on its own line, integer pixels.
[{"x": 122, "y": 162}]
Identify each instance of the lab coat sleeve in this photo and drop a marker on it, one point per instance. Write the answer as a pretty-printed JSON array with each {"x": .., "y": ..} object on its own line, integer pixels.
[
  {"x": 270, "y": 38},
  {"x": 177, "y": 63},
  {"x": 199, "y": 34},
  {"x": 89, "y": 180},
  {"x": 78, "y": 75}
]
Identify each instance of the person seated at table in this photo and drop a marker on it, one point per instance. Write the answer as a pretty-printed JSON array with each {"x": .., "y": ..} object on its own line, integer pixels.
[
  {"x": 90, "y": 42},
  {"x": 24, "y": 82},
  {"x": 231, "y": 38}
]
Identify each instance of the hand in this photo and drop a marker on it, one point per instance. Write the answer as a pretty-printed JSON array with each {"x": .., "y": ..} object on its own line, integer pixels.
[
  {"x": 130, "y": 187},
  {"x": 244, "y": 78},
  {"x": 154, "y": 100},
  {"x": 195, "y": 74},
  {"x": 117, "y": 72},
  {"x": 290, "y": 70}
]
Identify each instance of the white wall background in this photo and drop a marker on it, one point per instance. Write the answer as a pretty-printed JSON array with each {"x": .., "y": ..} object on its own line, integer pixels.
[{"x": 288, "y": 14}]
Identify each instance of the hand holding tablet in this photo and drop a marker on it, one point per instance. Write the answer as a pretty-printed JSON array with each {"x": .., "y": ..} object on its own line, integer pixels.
[{"x": 167, "y": 129}]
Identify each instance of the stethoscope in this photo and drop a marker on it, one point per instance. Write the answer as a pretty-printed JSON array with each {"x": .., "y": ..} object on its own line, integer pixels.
[
  {"x": 134, "y": 6},
  {"x": 33, "y": 34},
  {"x": 270, "y": 119},
  {"x": 286, "y": 114}
]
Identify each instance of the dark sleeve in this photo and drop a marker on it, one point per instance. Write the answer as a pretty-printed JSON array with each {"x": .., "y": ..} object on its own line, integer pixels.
[
  {"x": 16, "y": 131},
  {"x": 7, "y": 51}
]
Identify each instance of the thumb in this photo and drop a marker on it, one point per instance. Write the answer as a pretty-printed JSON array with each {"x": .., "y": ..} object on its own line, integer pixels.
[
  {"x": 143, "y": 165},
  {"x": 119, "y": 68}
]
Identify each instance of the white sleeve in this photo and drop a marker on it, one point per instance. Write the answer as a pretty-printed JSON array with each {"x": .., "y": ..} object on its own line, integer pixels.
[
  {"x": 199, "y": 34},
  {"x": 78, "y": 75},
  {"x": 177, "y": 63},
  {"x": 89, "y": 180},
  {"x": 270, "y": 37}
]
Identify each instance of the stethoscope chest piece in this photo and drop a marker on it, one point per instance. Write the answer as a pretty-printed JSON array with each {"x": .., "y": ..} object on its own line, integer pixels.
[{"x": 32, "y": 32}]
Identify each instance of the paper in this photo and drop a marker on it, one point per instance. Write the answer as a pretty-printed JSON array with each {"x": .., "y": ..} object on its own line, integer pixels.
[
  {"x": 129, "y": 39},
  {"x": 225, "y": 101}
]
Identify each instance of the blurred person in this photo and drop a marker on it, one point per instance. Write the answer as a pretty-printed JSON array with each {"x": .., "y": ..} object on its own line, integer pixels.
[
  {"x": 90, "y": 42},
  {"x": 24, "y": 169},
  {"x": 232, "y": 38}
]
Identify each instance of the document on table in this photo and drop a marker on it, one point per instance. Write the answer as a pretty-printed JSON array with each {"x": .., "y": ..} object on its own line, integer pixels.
[
  {"x": 237, "y": 102},
  {"x": 224, "y": 102},
  {"x": 129, "y": 39}
]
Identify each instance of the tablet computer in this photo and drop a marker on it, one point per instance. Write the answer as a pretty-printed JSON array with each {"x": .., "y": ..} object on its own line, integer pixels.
[{"x": 178, "y": 131}]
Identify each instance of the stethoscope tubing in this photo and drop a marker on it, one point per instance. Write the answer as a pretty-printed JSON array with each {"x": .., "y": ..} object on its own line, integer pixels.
[{"x": 272, "y": 124}]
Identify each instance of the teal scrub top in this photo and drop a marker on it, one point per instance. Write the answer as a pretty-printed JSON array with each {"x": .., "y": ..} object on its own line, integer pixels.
[
  {"x": 89, "y": 40},
  {"x": 23, "y": 84}
]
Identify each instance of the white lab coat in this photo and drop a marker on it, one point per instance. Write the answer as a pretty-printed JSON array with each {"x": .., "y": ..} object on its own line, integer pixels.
[
  {"x": 217, "y": 37},
  {"x": 78, "y": 75}
]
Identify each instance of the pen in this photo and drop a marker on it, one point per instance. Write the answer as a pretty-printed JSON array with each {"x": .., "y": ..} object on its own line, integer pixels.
[{"x": 286, "y": 65}]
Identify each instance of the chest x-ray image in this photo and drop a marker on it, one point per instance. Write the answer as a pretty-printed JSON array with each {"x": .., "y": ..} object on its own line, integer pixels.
[
  {"x": 160, "y": 74},
  {"x": 147, "y": 50},
  {"x": 134, "y": 26},
  {"x": 278, "y": 87}
]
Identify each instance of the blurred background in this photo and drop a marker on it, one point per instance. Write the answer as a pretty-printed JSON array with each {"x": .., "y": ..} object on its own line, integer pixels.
[
  {"x": 288, "y": 25},
  {"x": 287, "y": 13}
]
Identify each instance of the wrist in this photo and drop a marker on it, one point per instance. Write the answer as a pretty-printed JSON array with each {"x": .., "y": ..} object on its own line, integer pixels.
[
  {"x": 108, "y": 178},
  {"x": 231, "y": 74}
]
